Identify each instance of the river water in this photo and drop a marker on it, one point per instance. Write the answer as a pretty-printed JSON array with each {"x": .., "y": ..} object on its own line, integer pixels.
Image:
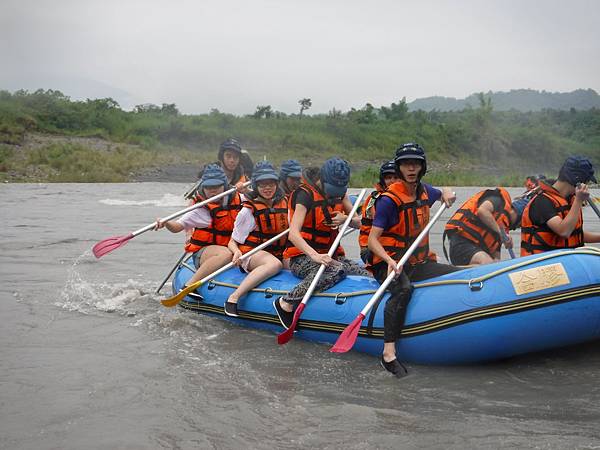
[{"x": 90, "y": 359}]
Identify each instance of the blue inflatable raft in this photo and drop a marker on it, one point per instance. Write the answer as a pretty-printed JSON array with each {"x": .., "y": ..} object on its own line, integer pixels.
[{"x": 474, "y": 315}]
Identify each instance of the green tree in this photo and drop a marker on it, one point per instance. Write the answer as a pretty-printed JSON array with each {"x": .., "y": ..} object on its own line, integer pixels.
[{"x": 305, "y": 103}]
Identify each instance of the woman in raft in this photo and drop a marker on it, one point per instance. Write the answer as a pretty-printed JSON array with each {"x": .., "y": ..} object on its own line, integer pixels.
[
  {"x": 316, "y": 209},
  {"x": 263, "y": 216}
]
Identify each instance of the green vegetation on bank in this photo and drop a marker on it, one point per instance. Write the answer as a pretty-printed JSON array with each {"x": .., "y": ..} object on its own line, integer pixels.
[{"x": 473, "y": 146}]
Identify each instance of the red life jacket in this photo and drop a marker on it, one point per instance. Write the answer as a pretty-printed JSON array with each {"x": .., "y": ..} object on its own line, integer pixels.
[
  {"x": 413, "y": 217},
  {"x": 467, "y": 223},
  {"x": 314, "y": 229},
  {"x": 538, "y": 239},
  {"x": 221, "y": 226},
  {"x": 270, "y": 221}
]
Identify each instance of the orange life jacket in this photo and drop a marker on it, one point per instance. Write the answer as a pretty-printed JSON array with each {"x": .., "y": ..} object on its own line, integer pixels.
[
  {"x": 314, "y": 229},
  {"x": 467, "y": 223},
  {"x": 221, "y": 226},
  {"x": 367, "y": 216},
  {"x": 413, "y": 217},
  {"x": 270, "y": 221},
  {"x": 538, "y": 239}
]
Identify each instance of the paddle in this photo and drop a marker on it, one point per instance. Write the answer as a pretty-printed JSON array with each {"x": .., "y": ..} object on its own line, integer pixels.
[
  {"x": 113, "y": 243},
  {"x": 285, "y": 336},
  {"x": 511, "y": 252},
  {"x": 594, "y": 207},
  {"x": 174, "y": 300},
  {"x": 348, "y": 337},
  {"x": 171, "y": 272}
]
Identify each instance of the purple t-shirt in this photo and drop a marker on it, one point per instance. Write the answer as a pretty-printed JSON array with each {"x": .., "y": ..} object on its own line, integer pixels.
[{"x": 386, "y": 212}]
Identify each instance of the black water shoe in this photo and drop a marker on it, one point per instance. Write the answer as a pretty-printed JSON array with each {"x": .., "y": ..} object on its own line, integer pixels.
[
  {"x": 286, "y": 318},
  {"x": 231, "y": 309},
  {"x": 395, "y": 367}
]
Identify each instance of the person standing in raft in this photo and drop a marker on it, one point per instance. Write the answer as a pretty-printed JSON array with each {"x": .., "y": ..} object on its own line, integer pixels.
[
  {"x": 387, "y": 176},
  {"x": 290, "y": 176},
  {"x": 316, "y": 210},
  {"x": 478, "y": 228},
  {"x": 263, "y": 216},
  {"x": 401, "y": 213},
  {"x": 553, "y": 219},
  {"x": 212, "y": 224}
]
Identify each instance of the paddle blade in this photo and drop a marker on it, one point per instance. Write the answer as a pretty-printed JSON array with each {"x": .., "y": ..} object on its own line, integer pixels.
[
  {"x": 110, "y": 244},
  {"x": 287, "y": 335},
  {"x": 173, "y": 301},
  {"x": 348, "y": 337}
]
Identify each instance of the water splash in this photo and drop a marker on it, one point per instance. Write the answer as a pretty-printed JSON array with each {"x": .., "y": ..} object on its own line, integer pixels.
[{"x": 166, "y": 200}]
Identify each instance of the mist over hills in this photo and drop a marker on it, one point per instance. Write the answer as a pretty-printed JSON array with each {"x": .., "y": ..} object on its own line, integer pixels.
[{"x": 516, "y": 99}]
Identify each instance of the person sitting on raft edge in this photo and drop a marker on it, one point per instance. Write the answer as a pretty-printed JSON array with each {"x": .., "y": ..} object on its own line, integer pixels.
[
  {"x": 264, "y": 215},
  {"x": 316, "y": 209},
  {"x": 401, "y": 213},
  {"x": 212, "y": 224}
]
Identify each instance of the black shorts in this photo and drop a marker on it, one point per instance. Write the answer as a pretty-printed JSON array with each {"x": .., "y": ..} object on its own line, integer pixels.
[{"x": 461, "y": 249}]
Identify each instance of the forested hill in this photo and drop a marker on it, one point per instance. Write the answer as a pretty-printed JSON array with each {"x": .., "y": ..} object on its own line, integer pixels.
[
  {"x": 518, "y": 99},
  {"x": 45, "y": 136}
]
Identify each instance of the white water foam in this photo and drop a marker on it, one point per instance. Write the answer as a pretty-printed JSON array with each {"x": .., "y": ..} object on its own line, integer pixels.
[{"x": 166, "y": 200}]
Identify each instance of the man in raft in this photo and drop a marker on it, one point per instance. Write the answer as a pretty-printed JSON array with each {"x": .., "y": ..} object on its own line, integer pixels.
[
  {"x": 316, "y": 209},
  {"x": 211, "y": 225},
  {"x": 553, "y": 219},
  {"x": 401, "y": 213},
  {"x": 478, "y": 228},
  {"x": 387, "y": 176}
]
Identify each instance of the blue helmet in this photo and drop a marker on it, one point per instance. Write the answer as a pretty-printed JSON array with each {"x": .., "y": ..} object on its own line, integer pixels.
[
  {"x": 290, "y": 168},
  {"x": 213, "y": 175},
  {"x": 577, "y": 169},
  {"x": 411, "y": 150},
  {"x": 263, "y": 170},
  {"x": 335, "y": 176}
]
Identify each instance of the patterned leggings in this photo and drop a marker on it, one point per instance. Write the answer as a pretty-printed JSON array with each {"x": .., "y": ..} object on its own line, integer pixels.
[{"x": 304, "y": 267}]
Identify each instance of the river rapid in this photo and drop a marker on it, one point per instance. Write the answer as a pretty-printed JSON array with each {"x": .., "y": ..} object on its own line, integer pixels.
[{"x": 90, "y": 359}]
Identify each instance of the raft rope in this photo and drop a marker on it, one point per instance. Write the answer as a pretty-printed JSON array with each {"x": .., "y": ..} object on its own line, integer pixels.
[{"x": 474, "y": 283}]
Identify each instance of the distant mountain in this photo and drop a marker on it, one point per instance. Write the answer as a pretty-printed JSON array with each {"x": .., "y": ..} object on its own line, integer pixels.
[{"x": 519, "y": 99}]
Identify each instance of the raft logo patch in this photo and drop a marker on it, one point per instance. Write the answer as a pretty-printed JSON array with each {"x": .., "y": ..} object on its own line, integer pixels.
[{"x": 539, "y": 278}]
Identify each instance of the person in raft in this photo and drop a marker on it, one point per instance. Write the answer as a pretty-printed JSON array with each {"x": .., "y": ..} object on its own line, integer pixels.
[
  {"x": 316, "y": 210},
  {"x": 553, "y": 219},
  {"x": 387, "y": 176},
  {"x": 263, "y": 216},
  {"x": 478, "y": 228},
  {"x": 234, "y": 162},
  {"x": 401, "y": 213},
  {"x": 290, "y": 176},
  {"x": 211, "y": 225}
]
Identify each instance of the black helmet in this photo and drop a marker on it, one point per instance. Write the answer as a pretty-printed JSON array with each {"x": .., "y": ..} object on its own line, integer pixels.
[
  {"x": 386, "y": 167},
  {"x": 231, "y": 145},
  {"x": 577, "y": 169},
  {"x": 410, "y": 150}
]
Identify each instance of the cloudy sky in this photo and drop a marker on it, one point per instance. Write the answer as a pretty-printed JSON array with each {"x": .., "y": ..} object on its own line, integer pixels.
[{"x": 235, "y": 55}]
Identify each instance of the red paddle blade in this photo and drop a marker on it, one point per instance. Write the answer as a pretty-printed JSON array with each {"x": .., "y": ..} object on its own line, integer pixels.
[
  {"x": 348, "y": 337},
  {"x": 110, "y": 244},
  {"x": 287, "y": 335}
]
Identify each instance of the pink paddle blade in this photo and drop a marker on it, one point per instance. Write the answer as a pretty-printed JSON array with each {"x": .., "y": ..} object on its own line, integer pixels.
[
  {"x": 348, "y": 337},
  {"x": 287, "y": 335},
  {"x": 110, "y": 244}
]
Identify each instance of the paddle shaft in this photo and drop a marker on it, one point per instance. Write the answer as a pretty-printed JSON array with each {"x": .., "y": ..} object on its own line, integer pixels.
[
  {"x": 179, "y": 261},
  {"x": 186, "y": 210},
  {"x": 334, "y": 246},
  {"x": 594, "y": 207},
  {"x": 402, "y": 261},
  {"x": 511, "y": 252}
]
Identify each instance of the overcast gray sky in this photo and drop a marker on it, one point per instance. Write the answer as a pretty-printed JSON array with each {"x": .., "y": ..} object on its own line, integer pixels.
[{"x": 235, "y": 55}]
